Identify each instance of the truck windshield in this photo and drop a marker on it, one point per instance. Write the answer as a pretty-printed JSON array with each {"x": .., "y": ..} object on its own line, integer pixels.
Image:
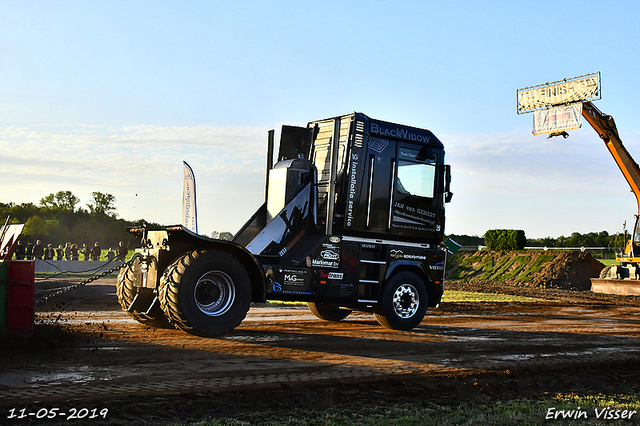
[{"x": 416, "y": 179}]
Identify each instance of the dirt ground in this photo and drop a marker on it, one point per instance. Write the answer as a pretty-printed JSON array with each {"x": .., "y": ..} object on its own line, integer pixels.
[{"x": 86, "y": 353}]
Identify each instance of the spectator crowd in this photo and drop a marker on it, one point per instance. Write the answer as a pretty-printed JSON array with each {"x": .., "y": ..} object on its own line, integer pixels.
[{"x": 68, "y": 252}]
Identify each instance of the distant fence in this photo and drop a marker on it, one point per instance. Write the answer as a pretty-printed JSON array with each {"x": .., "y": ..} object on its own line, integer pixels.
[
  {"x": 75, "y": 266},
  {"x": 603, "y": 250},
  {"x": 582, "y": 249}
]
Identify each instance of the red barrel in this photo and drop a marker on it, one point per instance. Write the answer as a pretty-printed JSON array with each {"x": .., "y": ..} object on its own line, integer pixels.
[{"x": 20, "y": 299}]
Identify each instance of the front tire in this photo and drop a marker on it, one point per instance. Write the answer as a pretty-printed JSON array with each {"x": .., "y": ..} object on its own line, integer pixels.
[
  {"x": 404, "y": 302},
  {"x": 328, "y": 312},
  {"x": 207, "y": 293}
]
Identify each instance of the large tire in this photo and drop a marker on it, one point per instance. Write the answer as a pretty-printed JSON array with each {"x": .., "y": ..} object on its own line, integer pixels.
[
  {"x": 206, "y": 293},
  {"x": 128, "y": 288},
  {"x": 404, "y": 302},
  {"x": 328, "y": 312}
]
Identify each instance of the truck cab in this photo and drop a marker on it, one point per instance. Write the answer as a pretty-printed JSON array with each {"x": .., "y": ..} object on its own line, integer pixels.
[{"x": 353, "y": 219}]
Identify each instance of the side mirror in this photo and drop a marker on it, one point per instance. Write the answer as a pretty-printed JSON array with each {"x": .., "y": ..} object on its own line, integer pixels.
[{"x": 448, "y": 195}]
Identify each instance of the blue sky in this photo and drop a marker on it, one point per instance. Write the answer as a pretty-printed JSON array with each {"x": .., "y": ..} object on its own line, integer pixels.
[{"x": 112, "y": 96}]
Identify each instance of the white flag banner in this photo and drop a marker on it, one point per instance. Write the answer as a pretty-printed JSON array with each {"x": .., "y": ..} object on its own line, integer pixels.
[
  {"x": 189, "y": 208},
  {"x": 557, "y": 119}
]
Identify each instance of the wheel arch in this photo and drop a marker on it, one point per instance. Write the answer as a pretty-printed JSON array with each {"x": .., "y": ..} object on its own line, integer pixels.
[
  {"x": 182, "y": 241},
  {"x": 416, "y": 268},
  {"x": 254, "y": 269}
]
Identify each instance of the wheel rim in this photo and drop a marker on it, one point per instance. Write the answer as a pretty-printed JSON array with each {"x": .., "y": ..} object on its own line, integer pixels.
[
  {"x": 406, "y": 301},
  {"x": 214, "y": 293}
]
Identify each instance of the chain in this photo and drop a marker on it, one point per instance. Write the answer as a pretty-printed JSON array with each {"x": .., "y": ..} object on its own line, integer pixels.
[{"x": 43, "y": 299}]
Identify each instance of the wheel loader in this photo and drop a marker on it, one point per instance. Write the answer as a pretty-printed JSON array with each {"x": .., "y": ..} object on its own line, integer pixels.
[
  {"x": 623, "y": 278},
  {"x": 575, "y": 96}
]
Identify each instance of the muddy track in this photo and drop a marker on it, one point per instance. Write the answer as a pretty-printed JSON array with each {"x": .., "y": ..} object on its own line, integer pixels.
[{"x": 86, "y": 350}]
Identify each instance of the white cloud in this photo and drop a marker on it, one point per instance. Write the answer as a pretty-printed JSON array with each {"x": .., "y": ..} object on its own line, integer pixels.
[
  {"x": 547, "y": 187},
  {"x": 140, "y": 165}
]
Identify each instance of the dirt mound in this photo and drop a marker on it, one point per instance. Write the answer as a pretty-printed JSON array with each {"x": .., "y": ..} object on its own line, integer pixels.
[{"x": 568, "y": 270}]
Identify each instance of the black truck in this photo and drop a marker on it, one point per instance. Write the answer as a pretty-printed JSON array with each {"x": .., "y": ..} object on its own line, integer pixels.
[{"x": 353, "y": 219}]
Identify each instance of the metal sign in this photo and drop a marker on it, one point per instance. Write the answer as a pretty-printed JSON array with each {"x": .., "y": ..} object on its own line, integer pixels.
[
  {"x": 557, "y": 119},
  {"x": 562, "y": 92}
]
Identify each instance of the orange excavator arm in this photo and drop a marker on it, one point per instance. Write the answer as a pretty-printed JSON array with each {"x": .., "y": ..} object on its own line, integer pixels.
[{"x": 607, "y": 130}]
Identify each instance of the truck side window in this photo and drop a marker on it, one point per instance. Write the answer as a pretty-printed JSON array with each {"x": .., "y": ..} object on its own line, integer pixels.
[{"x": 416, "y": 179}]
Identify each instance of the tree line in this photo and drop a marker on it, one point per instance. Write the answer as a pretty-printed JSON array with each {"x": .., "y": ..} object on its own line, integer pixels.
[
  {"x": 58, "y": 219},
  {"x": 576, "y": 239}
]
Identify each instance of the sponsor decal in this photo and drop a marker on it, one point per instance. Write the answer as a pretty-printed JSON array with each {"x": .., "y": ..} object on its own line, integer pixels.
[
  {"x": 414, "y": 219},
  {"x": 334, "y": 240},
  {"x": 398, "y": 132},
  {"x": 291, "y": 243},
  {"x": 399, "y": 254},
  {"x": 378, "y": 145},
  {"x": 329, "y": 255},
  {"x": 332, "y": 275},
  {"x": 324, "y": 263},
  {"x": 396, "y": 254},
  {"x": 419, "y": 214},
  {"x": 353, "y": 182},
  {"x": 415, "y": 257},
  {"x": 293, "y": 279},
  {"x": 335, "y": 275}
]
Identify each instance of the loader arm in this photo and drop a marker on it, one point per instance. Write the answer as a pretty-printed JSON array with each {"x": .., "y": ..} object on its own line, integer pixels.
[{"x": 606, "y": 128}]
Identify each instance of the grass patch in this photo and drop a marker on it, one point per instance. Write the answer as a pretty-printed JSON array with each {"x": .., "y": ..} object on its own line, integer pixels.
[
  {"x": 536, "y": 266},
  {"x": 608, "y": 262},
  {"x": 513, "y": 412},
  {"x": 465, "y": 268},
  {"x": 469, "y": 296}
]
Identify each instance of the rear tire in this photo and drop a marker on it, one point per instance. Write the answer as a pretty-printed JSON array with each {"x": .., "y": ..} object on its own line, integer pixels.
[
  {"x": 128, "y": 287},
  {"x": 404, "y": 302},
  {"x": 328, "y": 312},
  {"x": 206, "y": 293}
]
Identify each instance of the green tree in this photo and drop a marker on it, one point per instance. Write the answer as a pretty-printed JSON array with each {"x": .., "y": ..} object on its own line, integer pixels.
[
  {"x": 61, "y": 200},
  {"x": 19, "y": 213},
  {"x": 34, "y": 227},
  {"x": 224, "y": 235},
  {"x": 102, "y": 204},
  {"x": 542, "y": 242},
  {"x": 227, "y": 236},
  {"x": 44, "y": 229},
  {"x": 602, "y": 239}
]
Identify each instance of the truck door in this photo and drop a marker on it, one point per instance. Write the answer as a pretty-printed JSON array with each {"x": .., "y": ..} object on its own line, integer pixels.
[
  {"x": 377, "y": 184},
  {"x": 415, "y": 205}
]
